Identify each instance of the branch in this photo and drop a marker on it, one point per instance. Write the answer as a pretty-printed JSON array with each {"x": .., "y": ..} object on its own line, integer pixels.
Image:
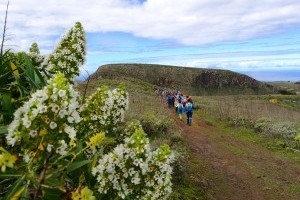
[
  {"x": 42, "y": 178},
  {"x": 4, "y": 29}
]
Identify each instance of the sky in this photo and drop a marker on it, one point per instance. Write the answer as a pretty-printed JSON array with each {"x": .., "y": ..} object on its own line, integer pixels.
[{"x": 257, "y": 38}]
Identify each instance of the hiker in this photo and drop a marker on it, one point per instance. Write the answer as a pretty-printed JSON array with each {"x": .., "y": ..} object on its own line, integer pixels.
[
  {"x": 189, "y": 107},
  {"x": 173, "y": 99},
  {"x": 180, "y": 109},
  {"x": 176, "y": 104},
  {"x": 161, "y": 95},
  {"x": 169, "y": 100},
  {"x": 184, "y": 101}
]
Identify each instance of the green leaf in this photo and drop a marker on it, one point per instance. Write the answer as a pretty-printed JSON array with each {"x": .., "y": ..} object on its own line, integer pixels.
[
  {"x": 3, "y": 130},
  {"x": 52, "y": 194},
  {"x": 41, "y": 79},
  {"x": 30, "y": 73},
  {"x": 18, "y": 194},
  {"x": 14, "y": 69},
  {"x": 6, "y": 176},
  {"x": 25, "y": 193},
  {"x": 54, "y": 182},
  {"x": 7, "y": 107},
  {"x": 77, "y": 165},
  {"x": 15, "y": 188}
]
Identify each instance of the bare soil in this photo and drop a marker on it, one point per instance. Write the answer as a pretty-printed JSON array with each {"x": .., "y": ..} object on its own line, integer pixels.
[{"x": 236, "y": 168}]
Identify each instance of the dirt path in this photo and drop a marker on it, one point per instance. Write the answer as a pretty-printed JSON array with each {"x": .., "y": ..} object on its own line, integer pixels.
[{"x": 236, "y": 168}]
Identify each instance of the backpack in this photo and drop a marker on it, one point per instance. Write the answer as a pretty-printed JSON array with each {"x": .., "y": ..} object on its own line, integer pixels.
[
  {"x": 180, "y": 108},
  {"x": 189, "y": 107}
]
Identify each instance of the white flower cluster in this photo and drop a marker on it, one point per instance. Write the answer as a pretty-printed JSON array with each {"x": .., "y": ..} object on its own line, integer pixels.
[
  {"x": 69, "y": 54},
  {"x": 47, "y": 119},
  {"x": 133, "y": 171},
  {"x": 35, "y": 55},
  {"x": 131, "y": 126},
  {"x": 111, "y": 106}
]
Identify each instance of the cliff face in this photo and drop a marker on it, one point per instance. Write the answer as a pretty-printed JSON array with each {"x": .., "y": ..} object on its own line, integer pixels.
[{"x": 192, "y": 79}]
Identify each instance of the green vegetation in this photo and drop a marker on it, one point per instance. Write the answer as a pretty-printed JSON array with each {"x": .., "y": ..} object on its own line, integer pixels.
[
  {"x": 58, "y": 145},
  {"x": 270, "y": 121},
  {"x": 274, "y": 116},
  {"x": 161, "y": 129}
]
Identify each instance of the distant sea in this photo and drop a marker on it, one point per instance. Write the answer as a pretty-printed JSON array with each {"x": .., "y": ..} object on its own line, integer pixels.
[{"x": 274, "y": 75}]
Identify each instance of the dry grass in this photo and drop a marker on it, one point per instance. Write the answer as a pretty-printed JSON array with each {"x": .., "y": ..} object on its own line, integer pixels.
[{"x": 250, "y": 108}]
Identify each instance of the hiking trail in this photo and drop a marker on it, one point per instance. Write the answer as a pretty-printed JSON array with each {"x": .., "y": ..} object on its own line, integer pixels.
[{"x": 236, "y": 168}]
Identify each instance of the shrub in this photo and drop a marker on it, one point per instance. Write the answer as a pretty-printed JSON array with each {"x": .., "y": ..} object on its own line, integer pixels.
[
  {"x": 132, "y": 171},
  {"x": 286, "y": 130},
  {"x": 262, "y": 124},
  {"x": 35, "y": 55},
  {"x": 69, "y": 54},
  {"x": 154, "y": 125}
]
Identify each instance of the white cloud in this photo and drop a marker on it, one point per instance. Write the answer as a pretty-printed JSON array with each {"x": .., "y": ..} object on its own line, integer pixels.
[{"x": 191, "y": 22}]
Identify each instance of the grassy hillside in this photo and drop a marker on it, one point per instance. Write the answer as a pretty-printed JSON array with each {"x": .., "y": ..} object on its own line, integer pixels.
[
  {"x": 286, "y": 87},
  {"x": 191, "y": 80}
]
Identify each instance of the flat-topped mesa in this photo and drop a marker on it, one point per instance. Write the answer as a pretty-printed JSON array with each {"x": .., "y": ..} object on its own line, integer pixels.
[{"x": 192, "y": 80}]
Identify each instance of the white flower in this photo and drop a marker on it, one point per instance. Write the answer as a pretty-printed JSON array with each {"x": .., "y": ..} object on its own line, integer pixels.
[
  {"x": 26, "y": 158},
  {"x": 61, "y": 93},
  {"x": 11, "y": 140},
  {"x": 42, "y": 109},
  {"x": 71, "y": 132},
  {"x": 62, "y": 113},
  {"x": 49, "y": 147},
  {"x": 70, "y": 119},
  {"x": 33, "y": 133},
  {"x": 62, "y": 149},
  {"x": 55, "y": 108},
  {"x": 135, "y": 180},
  {"x": 53, "y": 125},
  {"x": 26, "y": 123},
  {"x": 76, "y": 116}
]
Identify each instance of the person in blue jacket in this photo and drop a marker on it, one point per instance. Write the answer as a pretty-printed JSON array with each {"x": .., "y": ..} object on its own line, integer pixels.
[{"x": 189, "y": 107}]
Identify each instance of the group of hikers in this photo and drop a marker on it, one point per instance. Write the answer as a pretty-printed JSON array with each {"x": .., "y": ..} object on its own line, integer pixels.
[{"x": 180, "y": 102}]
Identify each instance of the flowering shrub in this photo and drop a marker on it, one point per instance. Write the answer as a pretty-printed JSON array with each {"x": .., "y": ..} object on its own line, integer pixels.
[
  {"x": 54, "y": 141},
  {"x": 111, "y": 106},
  {"x": 69, "y": 54},
  {"x": 47, "y": 120},
  {"x": 285, "y": 130},
  {"x": 35, "y": 55},
  {"x": 131, "y": 127},
  {"x": 45, "y": 130},
  {"x": 133, "y": 171}
]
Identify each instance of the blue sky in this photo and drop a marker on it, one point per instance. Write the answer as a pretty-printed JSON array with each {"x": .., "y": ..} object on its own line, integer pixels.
[{"x": 260, "y": 38}]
